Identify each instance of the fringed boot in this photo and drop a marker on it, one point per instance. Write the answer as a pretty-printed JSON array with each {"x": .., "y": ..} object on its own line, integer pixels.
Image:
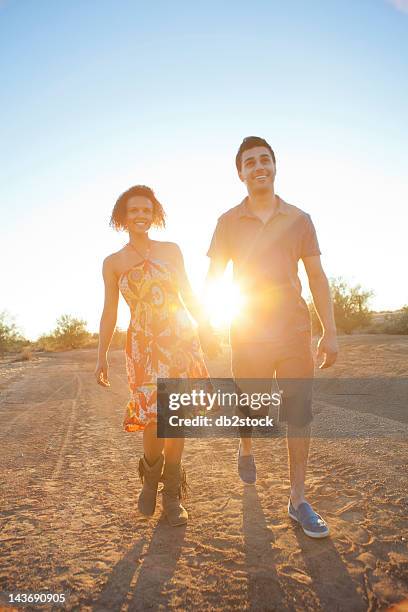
[
  {"x": 174, "y": 490},
  {"x": 150, "y": 476}
]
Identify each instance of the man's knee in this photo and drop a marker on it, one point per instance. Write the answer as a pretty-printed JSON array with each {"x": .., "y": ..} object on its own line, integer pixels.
[{"x": 296, "y": 430}]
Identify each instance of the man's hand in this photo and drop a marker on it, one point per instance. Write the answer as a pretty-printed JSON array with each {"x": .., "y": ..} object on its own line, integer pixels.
[
  {"x": 101, "y": 373},
  {"x": 327, "y": 349},
  {"x": 209, "y": 341}
]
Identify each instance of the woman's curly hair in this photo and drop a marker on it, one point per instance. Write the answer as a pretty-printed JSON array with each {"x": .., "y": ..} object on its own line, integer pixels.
[{"x": 118, "y": 216}]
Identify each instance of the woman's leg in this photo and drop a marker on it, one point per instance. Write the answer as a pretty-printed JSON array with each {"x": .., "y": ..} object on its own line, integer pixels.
[
  {"x": 173, "y": 450},
  {"x": 150, "y": 469},
  {"x": 152, "y": 445},
  {"x": 174, "y": 480}
]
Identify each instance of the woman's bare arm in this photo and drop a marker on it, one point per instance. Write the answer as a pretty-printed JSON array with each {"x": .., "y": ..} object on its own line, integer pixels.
[
  {"x": 208, "y": 340},
  {"x": 186, "y": 292},
  {"x": 108, "y": 321}
]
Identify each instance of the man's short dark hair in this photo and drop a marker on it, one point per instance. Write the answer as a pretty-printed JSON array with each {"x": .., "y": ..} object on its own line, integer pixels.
[{"x": 249, "y": 143}]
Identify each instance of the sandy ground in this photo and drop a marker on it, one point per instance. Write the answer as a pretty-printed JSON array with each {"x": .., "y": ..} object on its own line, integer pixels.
[{"x": 68, "y": 518}]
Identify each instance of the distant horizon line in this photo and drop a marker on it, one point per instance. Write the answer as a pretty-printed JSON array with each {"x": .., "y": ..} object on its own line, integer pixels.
[{"x": 36, "y": 337}]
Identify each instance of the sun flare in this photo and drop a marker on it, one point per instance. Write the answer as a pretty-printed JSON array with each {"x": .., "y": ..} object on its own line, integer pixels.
[{"x": 223, "y": 302}]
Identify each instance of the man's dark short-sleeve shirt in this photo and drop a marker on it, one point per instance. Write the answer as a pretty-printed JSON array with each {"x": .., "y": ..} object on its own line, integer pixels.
[{"x": 265, "y": 260}]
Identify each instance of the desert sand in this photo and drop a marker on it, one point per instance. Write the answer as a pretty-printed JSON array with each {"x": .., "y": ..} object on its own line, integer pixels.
[{"x": 69, "y": 484}]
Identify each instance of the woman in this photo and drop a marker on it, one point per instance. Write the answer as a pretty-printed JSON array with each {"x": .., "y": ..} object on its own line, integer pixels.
[{"x": 161, "y": 340}]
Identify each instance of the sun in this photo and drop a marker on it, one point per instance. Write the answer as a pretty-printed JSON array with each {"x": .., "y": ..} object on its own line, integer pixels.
[{"x": 223, "y": 302}]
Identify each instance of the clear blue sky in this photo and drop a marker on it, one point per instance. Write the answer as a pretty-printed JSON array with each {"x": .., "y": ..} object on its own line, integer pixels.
[{"x": 99, "y": 95}]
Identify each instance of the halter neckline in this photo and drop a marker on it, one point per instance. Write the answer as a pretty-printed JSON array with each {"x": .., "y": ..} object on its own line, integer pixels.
[
  {"x": 146, "y": 256},
  {"x": 142, "y": 262}
]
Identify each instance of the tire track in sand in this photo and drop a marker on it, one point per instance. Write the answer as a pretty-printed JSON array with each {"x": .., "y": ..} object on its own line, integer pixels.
[
  {"x": 68, "y": 435},
  {"x": 29, "y": 406}
]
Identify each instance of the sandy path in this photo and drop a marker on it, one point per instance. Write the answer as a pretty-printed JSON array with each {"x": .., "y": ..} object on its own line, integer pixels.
[{"x": 69, "y": 483}]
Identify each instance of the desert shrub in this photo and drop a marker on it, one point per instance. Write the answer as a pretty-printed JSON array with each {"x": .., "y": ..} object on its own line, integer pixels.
[
  {"x": 70, "y": 333},
  {"x": 26, "y": 354},
  {"x": 350, "y": 306},
  {"x": 46, "y": 342},
  {"x": 118, "y": 340},
  {"x": 11, "y": 338},
  {"x": 396, "y": 323},
  {"x": 92, "y": 341}
]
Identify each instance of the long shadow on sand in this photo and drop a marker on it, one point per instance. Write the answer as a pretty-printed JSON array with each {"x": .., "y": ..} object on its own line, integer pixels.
[
  {"x": 264, "y": 590},
  {"x": 158, "y": 567},
  {"x": 115, "y": 592},
  {"x": 331, "y": 582},
  {"x": 159, "y": 564}
]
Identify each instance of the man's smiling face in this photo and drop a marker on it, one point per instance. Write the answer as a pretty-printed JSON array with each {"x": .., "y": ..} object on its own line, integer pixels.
[{"x": 257, "y": 170}]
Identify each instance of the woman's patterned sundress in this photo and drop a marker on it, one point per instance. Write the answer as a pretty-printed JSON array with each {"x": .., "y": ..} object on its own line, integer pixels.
[{"x": 161, "y": 340}]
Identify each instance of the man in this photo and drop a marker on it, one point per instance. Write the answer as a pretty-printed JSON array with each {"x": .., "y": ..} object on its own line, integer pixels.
[{"x": 265, "y": 237}]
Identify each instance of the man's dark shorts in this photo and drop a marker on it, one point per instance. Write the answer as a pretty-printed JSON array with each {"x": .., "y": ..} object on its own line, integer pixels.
[{"x": 290, "y": 360}]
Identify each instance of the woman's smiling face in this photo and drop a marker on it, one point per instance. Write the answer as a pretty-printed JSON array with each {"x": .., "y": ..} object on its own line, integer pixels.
[{"x": 139, "y": 214}]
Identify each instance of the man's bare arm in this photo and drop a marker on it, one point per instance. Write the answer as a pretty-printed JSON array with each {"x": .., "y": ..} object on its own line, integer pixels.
[
  {"x": 320, "y": 289},
  {"x": 215, "y": 270}
]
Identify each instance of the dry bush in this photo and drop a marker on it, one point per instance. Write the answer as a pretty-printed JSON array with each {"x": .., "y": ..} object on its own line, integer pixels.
[
  {"x": 91, "y": 342},
  {"x": 350, "y": 305},
  {"x": 388, "y": 322},
  {"x": 397, "y": 322},
  {"x": 10, "y": 337},
  {"x": 46, "y": 342},
  {"x": 70, "y": 333},
  {"x": 26, "y": 354}
]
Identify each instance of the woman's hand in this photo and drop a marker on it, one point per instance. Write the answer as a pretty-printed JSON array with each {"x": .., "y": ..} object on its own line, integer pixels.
[
  {"x": 209, "y": 341},
  {"x": 101, "y": 372}
]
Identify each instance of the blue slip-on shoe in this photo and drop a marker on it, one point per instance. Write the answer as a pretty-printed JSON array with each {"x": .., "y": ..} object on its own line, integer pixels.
[
  {"x": 246, "y": 468},
  {"x": 312, "y": 523}
]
